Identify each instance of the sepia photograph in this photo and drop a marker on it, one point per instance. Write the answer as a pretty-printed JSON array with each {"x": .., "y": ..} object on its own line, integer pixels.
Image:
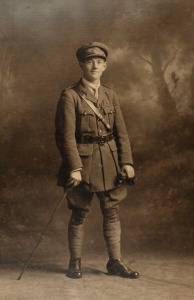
[{"x": 96, "y": 149}]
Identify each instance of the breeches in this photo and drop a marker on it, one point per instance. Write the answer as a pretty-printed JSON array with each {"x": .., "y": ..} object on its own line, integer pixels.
[
  {"x": 79, "y": 201},
  {"x": 79, "y": 198}
]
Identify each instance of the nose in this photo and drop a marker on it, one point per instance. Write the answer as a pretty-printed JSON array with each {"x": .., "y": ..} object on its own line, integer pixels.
[{"x": 94, "y": 64}]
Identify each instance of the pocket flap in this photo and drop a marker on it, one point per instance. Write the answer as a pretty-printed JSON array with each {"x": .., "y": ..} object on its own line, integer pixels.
[
  {"x": 109, "y": 109},
  {"x": 86, "y": 111},
  {"x": 85, "y": 149}
]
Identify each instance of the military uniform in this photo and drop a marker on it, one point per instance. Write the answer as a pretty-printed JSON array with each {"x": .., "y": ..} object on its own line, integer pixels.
[
  {"x": 76, "y": 120},
  {"x": 86, "y": 144}
]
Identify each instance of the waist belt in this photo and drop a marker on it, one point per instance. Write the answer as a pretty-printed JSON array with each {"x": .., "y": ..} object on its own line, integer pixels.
[{"x": 101, "y": 139}]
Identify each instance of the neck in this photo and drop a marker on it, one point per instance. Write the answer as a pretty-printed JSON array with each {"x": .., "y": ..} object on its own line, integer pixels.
[{"x": 95, "y": 82}]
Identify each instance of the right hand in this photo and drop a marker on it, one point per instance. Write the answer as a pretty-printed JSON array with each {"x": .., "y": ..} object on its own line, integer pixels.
[{"x": 75, "y": 179}]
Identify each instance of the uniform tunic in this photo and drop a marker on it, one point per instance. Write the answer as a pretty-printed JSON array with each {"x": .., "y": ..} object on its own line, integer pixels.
[{"x": 74, "y": 118}]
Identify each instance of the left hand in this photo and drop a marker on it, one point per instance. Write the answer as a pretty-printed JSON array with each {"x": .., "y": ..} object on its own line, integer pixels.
[{"x": 128, "y": 170}]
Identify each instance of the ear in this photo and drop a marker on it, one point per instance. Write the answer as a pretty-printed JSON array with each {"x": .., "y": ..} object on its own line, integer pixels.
[
  {"x": 105, "y": 66},
  {"x": 81, "y": 64}
]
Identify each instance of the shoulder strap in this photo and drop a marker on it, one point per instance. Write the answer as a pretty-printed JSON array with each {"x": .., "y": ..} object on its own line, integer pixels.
[
  {"x": 71, "y": 86},
  {"x": 96, "y": 111}
]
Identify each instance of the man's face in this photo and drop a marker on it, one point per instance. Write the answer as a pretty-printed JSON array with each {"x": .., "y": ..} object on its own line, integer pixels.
[{"x": 92, "y": 68}]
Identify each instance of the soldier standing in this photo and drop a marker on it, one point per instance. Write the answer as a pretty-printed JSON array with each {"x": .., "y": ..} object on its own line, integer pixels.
[{"x": 94, "y": 145}]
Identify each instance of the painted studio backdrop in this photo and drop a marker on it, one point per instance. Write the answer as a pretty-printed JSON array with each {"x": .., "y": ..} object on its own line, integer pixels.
[{"x": 151, "y": 68}]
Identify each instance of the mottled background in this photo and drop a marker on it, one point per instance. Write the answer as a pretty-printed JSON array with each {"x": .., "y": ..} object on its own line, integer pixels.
[{"x": 151, "y": 67}]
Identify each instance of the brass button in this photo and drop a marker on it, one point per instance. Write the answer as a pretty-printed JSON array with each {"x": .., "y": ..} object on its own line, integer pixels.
[{"x": 85, "y": 113}]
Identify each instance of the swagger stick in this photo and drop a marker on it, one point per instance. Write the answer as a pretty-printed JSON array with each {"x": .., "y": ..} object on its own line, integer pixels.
[{"x": 41, "y": 236}]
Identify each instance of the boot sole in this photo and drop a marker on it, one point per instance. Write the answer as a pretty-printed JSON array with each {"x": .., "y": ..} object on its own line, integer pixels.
[
  {"x": 123, "y": 276},
  {"x": 74, "y": 276}
]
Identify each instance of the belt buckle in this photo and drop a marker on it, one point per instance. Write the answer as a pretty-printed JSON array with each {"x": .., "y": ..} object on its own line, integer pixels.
[{"x": 102, "y": 140}]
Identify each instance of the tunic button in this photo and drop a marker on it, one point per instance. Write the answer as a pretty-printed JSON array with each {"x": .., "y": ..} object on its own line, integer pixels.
[
  {"x": 100, "y": 131},
  {"x": 111, "y": 111},
  {"x": 85, "y": 113}
]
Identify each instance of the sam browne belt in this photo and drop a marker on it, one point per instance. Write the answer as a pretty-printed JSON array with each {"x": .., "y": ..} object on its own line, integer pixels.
[{"x": 101, "y": 139}]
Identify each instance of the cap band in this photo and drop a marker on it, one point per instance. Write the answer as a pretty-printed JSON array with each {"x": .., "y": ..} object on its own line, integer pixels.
[{"x": 91, "y": 50}]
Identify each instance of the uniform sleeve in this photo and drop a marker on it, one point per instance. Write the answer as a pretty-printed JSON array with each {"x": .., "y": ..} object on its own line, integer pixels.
[
  {"x": 122, "y": 139},
  {"x": 65, "y": 122}
]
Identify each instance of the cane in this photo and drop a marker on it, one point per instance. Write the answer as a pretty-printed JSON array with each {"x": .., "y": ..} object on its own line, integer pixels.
[{"x": 41, "y": 236}]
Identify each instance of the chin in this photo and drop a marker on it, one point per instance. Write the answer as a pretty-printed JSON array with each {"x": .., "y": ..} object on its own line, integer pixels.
[{"x": 95, "y": 77}]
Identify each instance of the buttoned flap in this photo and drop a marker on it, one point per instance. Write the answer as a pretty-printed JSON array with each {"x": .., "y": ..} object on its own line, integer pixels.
[
  {"x": 109, "y": 109},
  {"x": 85, "y": 149},
  {"x": 86, "y": 111},
  {"x": 113, "y": 145}
]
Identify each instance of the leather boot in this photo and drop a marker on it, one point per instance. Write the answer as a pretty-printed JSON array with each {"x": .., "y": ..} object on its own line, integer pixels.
[
  {"x": 117, "y": 267},
  {"x": 74, "y": 268}
]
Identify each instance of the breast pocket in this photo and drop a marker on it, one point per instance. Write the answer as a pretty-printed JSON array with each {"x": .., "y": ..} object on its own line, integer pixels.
[
  {"x": 86, "y": 119},
  {"x": 109, "y": 114}
]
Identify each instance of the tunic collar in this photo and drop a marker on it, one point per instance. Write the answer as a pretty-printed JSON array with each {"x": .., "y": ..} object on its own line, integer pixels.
[
  {"x": 90, "y": 85},
  {"x": 82, "y": 89}
]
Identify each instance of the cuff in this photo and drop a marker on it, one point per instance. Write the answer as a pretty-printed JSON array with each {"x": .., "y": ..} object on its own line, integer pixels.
[{"x": 79, "y": 169}]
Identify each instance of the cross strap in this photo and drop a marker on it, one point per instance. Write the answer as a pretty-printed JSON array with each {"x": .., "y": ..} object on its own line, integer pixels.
[{"x": 96, "y": 111}]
